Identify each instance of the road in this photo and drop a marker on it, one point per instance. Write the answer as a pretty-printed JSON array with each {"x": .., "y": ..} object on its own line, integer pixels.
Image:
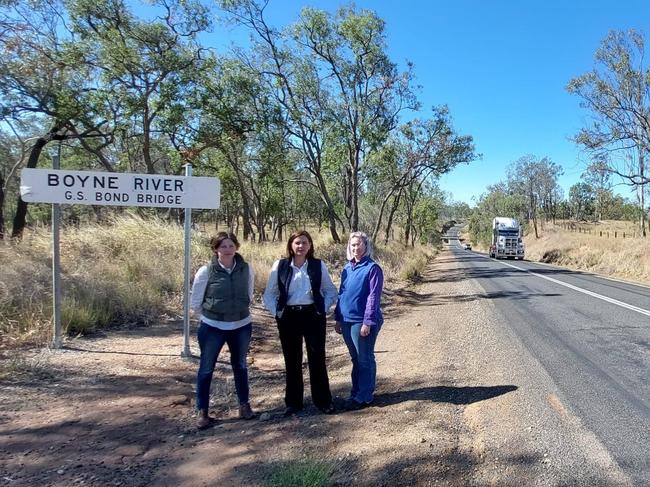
[{"x": 592, "y": 337}]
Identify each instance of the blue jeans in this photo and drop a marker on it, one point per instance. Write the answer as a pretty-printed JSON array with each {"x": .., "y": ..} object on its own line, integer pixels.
[
  {"x": 364, "y": 366},
  {"x": 211, "y": 341}
]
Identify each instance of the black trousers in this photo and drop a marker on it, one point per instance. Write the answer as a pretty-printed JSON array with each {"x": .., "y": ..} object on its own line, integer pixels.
[{"x": 295, "y": 325}]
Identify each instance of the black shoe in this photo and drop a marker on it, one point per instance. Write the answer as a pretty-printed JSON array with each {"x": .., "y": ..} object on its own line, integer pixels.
[
  {"x": 352, "y": 405},
  {"x": 290, "y": 411},
  {"x": 328, "y": 409}
]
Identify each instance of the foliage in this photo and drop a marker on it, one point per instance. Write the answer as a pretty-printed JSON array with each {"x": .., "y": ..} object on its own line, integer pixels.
[
  {"x": 497, "y": 201},
  {"x": 617, "y": 95},
  {"x": 536, "y": 180},
  {"x": 582, "y": 199},
  {"x": 304, "y": 127}
]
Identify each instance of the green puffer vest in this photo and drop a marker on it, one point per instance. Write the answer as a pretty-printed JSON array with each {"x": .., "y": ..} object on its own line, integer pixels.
[{"x": 226, "y": 295}]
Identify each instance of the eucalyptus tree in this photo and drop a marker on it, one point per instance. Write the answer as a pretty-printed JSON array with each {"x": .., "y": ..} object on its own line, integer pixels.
[
  {"x": 422, "y": 204},
  {"x": 148, "y": 66},
  {"x": 582, "y": 201},
  {"x": 8, "y": 165},
  {"x": 598, "y": 177},
  {"x": 367, "y": 91},
  {"x": 549, "y": 187},
  {"x": 617, "y": 94},
  {"x": 298, "y": 89},
  {"x": 424, "y": 149},
  {"x": 43, "y": 81},
  {"x": 535, "y": 179}
]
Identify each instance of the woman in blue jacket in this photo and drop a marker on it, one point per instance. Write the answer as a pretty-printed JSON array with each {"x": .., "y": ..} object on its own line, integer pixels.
[{"x": 359, "y": 318}]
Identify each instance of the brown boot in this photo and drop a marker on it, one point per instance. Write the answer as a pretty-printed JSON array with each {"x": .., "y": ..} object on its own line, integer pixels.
[
  {"x": 203, "y": 420},
  {"x": 245, "y": 411}
]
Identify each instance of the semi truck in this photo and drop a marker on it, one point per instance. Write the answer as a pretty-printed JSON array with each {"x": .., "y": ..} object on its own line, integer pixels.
[{"x": 506, "y": 239}]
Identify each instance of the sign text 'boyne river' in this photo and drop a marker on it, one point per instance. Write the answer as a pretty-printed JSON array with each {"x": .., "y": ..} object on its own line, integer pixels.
[{"x": 118, "y": 189}]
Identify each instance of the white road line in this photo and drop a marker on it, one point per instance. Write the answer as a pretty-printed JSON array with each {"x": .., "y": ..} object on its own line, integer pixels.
[{"x": 584, "y": 291}]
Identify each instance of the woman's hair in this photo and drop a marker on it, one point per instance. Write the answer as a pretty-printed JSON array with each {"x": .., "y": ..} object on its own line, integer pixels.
[
  {"x": 216, "y": 240},
  {"x": 365, "y": 239},
  {"x": 295, "y": 235}
]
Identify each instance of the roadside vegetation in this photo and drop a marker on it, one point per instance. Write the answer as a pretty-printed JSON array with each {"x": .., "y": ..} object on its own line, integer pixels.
[
  {"x": 129, "y": 271},
  {"x": 625, "y": 258}
]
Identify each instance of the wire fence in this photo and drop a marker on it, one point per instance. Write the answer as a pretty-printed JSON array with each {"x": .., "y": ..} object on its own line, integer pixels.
[{"x": 577, "y": 228}]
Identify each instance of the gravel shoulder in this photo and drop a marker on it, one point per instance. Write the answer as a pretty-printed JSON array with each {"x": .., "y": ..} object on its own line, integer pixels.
[{"x": 459, "y": 402}]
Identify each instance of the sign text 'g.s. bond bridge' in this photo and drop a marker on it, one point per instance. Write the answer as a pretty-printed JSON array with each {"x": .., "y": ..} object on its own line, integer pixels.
[{"x": 118, "y": 189}]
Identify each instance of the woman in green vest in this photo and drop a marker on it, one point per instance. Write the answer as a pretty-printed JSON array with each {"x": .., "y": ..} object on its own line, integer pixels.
[{"x": 221, "y": 295}]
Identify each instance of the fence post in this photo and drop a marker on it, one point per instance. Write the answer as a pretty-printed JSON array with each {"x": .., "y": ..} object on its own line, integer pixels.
[
  {"x": 623, "y": 234},
  {"x": 601, "y": 233},
  {"x": 615, "y": 234}
]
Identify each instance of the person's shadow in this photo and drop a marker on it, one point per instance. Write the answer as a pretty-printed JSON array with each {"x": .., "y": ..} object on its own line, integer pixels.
[{"x": 448, "y": 394}]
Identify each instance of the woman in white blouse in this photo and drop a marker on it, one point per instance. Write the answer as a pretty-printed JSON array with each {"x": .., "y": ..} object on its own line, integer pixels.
[
  {"x": 221, "y": 295},
  {"x": 299, "y": 294}
]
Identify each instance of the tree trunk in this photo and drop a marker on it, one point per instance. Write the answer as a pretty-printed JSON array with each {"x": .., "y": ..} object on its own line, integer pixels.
[
  {"x": 375, "y": 232},
  {"x": 2, "y": 207},
  {"x": 391, "y": 215},
  {"x": 246, "y": 215},
  {"x": 641, "y": 192},
  {"x": 331, "y": 211},
  {"x": 98, "y": 153},
  {"x": 355, "y": 194},
  {"x": 146, "y": 142},
  {"x": 21, "y": 208}
]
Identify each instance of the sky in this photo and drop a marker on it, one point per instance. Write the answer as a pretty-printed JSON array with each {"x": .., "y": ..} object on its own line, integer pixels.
[{"x": 501, "y": 67}]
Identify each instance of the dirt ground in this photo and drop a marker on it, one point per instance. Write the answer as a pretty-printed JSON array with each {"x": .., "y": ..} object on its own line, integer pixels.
[{"x": 117, "y": 409}]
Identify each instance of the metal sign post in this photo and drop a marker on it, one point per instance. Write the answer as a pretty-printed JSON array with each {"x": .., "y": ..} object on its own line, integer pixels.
[
  {"x": 57, "y": 341},
  {"x": 186, "y": 293}
]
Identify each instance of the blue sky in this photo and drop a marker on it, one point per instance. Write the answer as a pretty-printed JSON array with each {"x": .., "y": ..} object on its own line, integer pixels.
[{"x": 501, "y": 67}]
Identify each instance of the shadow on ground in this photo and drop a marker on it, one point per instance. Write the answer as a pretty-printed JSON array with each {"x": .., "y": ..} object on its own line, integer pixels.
[{"x": 447, "y": 394}]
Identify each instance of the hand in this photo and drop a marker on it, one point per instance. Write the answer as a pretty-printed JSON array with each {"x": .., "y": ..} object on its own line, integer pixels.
[
  {"x": 365, "y": 330},
  {"x": 337, "y": 327}
]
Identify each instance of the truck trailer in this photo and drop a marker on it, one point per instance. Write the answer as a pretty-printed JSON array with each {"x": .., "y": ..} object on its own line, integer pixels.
[{"x": 506, "y": 239}]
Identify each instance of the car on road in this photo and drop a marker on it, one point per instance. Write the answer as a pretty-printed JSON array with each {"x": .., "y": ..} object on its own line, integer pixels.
[{"x": 467, "y": 246}]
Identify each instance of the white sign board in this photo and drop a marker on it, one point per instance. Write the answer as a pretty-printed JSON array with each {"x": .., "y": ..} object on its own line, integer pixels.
[{"x": 118, "y": 189}]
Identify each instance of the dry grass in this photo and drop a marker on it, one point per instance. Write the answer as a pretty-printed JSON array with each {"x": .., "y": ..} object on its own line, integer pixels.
[
  {"x": 131, "y": 272},
  {"x": 627, "y": 258}
]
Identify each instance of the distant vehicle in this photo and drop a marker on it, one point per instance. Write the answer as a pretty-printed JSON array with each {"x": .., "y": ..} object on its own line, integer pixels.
[
  {"x": 506, "y": 239},
  {"x": 467, "y": 246}
]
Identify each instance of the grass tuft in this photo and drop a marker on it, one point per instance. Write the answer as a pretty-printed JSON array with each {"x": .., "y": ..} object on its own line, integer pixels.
[{"x": 303, "y": 473}]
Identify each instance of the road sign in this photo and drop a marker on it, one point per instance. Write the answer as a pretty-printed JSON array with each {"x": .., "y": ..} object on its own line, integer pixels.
[{"x": 118, "y": 189}]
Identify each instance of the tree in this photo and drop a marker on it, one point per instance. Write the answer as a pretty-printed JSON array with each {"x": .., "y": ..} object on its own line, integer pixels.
[
  {"x": 297, "y": 87},
  {"x": 536, "y": 180},
  {"x": 43, "y": 80},
  {"x": 149, "y": 67},
  {"x": 424, "y": 149},
  {"x": 367, "y": 92},
  {"x": 617, "y": 94},
  {"x": 581, "y": 199},
  {"x": 598, "y": 177}
]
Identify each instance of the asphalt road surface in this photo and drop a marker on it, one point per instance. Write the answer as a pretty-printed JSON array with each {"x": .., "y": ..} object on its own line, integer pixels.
[{"x": 590, "y": 334}]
